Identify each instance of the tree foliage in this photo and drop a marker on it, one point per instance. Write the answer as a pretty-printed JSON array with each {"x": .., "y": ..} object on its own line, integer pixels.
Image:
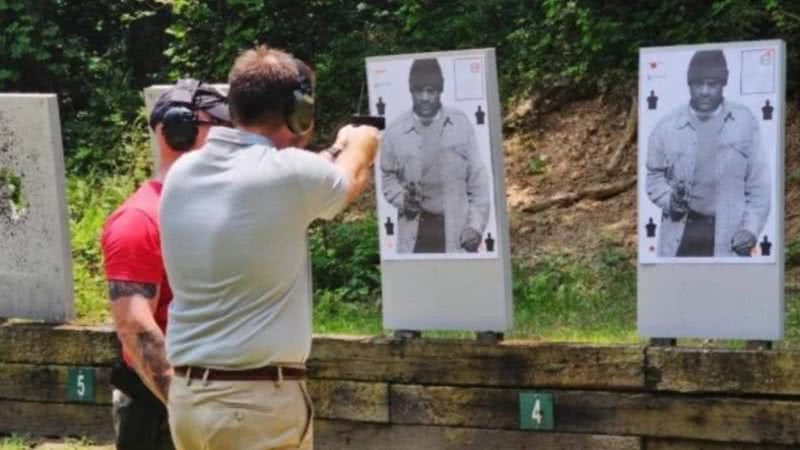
[{"x": 97, "y": 56}]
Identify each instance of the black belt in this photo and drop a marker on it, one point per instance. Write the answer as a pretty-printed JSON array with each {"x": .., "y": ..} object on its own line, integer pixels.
[
  {"x": 269, "y": 373},
  {"x": 697, "y": 217}
]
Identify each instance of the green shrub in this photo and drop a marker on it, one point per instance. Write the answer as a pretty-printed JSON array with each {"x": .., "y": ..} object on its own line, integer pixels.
[
  {"x": 90, "y": 200},
  {"x": 565, "y": 297},
  {"x": 345, "y": 260}
]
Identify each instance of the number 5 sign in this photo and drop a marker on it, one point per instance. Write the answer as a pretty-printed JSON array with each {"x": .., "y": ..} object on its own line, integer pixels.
[
  {"x": 535, "y": 411},
  {"x": 80, "y": 384}
]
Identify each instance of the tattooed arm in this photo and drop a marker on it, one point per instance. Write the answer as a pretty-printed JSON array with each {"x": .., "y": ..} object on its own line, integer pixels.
[{"x": 132, "y": 308}]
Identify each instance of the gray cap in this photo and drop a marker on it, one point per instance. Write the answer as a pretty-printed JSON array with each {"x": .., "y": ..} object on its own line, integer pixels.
[{"x": 193, "y": 94}]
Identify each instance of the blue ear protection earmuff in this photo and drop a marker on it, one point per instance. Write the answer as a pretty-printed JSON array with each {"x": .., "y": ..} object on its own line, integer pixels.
[{"x": 299, "y": 111}]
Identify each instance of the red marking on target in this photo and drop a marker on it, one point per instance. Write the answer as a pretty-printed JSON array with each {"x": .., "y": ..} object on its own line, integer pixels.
[
  {"x": 475, "y": 67},
  {"x": 652, "y": 248},
  {"x": 653, "y": 65}
]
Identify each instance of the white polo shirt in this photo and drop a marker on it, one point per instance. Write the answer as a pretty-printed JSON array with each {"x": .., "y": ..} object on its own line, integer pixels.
[{"x": 234, "y": 218}]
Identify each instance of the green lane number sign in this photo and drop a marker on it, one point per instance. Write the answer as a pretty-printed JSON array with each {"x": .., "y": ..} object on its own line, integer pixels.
[
  {"x": 535, "y": 411},
  {"x": 80, "y": 384}
]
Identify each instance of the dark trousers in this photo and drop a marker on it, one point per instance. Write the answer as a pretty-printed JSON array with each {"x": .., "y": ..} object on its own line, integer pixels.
[
  {"x": 141, "y": 418},
  {"x": 698, "y": 236},
  {"x": 430, "y": 233}
]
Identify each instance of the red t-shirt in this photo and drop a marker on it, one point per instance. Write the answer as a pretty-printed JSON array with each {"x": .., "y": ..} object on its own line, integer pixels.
[{"x": 132, "y": 246}]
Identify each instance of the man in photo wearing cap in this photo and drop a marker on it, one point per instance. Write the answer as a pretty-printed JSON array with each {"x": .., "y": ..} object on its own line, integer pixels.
[
  {"x": 706, "y": 170},
  {"x": 432, "y": 173},
  {"x": 138, "y": 289}
]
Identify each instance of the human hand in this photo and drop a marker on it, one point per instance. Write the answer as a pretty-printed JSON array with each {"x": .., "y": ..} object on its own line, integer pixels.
[
  {"x": 412, "y": 201},
  {"x": 743, "y": 242},
  {"x": 470, "y": 239},
  {"x": 361, "y": 136},
  {"x": 678, "y": 205}
]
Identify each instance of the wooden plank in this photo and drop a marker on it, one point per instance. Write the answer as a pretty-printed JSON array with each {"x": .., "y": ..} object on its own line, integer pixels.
[
  {"x": 718, "y": 370},
  {"x": 337, "y": 434},
  {"x": 56, "y": 419},
  {"x": 613, "y": 413},
  {"x": 462, "y": 362},
  {"x": 350, "y": 400},
  {"x": 67, "y": 345},
  {"x": 41, "y": 383},
  {"x": 672, "y": 444}
]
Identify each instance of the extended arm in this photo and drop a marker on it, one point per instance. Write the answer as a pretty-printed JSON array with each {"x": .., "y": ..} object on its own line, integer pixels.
[
  {"x": 132, "y": 307},
  {"x": 359, "y": 145}
]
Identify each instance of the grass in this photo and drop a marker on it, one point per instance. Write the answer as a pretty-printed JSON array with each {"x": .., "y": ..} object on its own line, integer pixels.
[
  {"x": 26, "y": 443},
  {"x": 14, "y": 443},
  {"x": 557, "y": 298}
]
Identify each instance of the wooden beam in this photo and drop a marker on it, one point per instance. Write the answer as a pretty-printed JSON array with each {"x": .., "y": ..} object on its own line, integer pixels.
[
  {"x": 66, "y": 345},
  {"x": 342, "y": 435},
  {"x": 464, "y": 362},
  {"x": 614, "y": 413},
  {"x": 47, "y": 383},
  {"x": 723, "y": 371},
  {"x": 56, "y": 419},
  {"x": 350, "y": 400},
  {"x": 674, "y": 444}
]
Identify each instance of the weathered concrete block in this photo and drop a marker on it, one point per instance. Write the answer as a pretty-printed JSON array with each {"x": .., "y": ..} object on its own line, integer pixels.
[{"x": 35, "y": 258}]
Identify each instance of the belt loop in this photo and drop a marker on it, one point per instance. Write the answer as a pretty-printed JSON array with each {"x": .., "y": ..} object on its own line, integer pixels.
[
  {"x": 188, "y": 375},
  {"x": 205, "y": 377},
  {"x": 280, "y": 375}
]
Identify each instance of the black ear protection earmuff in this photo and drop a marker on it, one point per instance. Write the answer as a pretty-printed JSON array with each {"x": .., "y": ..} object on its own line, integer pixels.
[
  {"x": 179, "y": 123},
  {"x": 299, "y": 111}
]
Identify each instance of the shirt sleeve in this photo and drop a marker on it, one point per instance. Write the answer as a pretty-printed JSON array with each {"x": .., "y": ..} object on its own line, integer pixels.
[
  {"x": 131, "y": 248},
  {"x": 323, "y": 185}
]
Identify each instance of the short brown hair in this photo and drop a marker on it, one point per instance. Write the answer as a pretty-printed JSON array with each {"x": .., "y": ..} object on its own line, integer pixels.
[{"x": 261, "y": 83}]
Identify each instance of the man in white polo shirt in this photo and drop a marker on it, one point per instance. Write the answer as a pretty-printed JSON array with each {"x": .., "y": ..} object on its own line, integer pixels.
[{"x": 234, "y": 218}]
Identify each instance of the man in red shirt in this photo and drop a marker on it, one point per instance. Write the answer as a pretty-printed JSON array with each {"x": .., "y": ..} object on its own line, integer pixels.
[{"x": 139, "y": 291}]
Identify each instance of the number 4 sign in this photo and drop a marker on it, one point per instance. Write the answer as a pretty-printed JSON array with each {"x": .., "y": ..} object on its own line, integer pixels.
[
  {"x": 535, "y": 411},
  {"x": 80, "y": 384}
]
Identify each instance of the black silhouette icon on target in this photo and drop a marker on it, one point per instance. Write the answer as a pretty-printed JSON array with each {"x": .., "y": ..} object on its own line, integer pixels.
[
  {"x": 389, "y": 227},
  {"x": 381, "y": 106},
  {"x": 652, "y": 100},
  {"x": 480, "y": 116},
  {"x": 651, "y": 228},
  {"x": 767, "y": 110}
]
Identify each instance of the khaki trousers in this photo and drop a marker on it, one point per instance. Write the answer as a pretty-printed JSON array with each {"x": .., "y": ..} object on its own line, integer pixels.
[{"x": 240, "y": 415}]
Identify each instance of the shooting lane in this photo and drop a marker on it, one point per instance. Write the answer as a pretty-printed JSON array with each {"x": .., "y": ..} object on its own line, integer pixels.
[
  {"x": 723, "y": 293},
  {"x": 450, "y": 288}
]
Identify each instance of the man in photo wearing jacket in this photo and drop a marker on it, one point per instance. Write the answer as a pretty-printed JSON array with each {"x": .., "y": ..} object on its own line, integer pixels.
[
  {"x": 432, "y": 173},
  {"x": 706, "y": 170}
]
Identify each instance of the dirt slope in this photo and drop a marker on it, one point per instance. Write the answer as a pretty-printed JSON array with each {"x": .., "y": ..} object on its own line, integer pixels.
[{"x": 566, "y": 150}]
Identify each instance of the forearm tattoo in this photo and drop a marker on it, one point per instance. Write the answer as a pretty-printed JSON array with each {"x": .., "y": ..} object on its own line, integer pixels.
[
  {"x": 154, "y": 359},
  {"x": 118, "y": 289}
]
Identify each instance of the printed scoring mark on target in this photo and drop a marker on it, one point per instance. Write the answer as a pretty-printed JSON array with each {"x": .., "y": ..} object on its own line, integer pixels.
[{"x": 468, "y": 75}]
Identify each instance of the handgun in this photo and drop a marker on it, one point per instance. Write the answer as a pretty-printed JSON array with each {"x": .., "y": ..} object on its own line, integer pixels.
[{"x": 373, "y": 121}]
